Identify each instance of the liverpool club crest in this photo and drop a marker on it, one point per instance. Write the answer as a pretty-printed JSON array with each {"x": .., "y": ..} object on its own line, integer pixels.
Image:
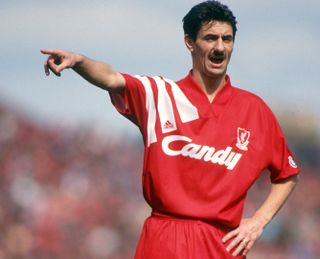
[{"x": 243, "y": 139}]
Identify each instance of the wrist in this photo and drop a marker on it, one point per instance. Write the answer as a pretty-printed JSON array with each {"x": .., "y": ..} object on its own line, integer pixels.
[
  {"x": 78, "y": 59},
  {"x": 262, "y": 218},
  {"x": 78, "y": 62}
]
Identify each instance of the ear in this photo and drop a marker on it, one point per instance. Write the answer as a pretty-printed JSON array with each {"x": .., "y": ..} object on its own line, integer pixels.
[{"x": 189, "y": 42}]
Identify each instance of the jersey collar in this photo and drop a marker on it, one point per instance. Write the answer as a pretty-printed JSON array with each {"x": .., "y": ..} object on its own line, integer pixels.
[
  {"x": 199, "y": 98},
  {"x": 194, "y": 89}
]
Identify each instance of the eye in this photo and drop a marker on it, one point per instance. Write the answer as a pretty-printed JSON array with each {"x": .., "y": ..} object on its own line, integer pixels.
[
  {"x": 227, "y": 38},
  {"x": 211, "y": 37}
]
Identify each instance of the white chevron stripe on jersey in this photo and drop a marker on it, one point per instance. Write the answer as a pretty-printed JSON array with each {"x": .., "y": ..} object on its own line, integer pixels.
[
  {"x": 186, "y": 110},
  {"x": 150, "y": 106},
  {"x": 165, "y": 109}
]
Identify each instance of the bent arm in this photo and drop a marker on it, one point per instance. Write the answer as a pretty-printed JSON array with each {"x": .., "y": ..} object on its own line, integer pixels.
[
  {"x": 97, "y": 73},
  {"x": 251, "y": 229},
  {"x": 277, "y": 197}
]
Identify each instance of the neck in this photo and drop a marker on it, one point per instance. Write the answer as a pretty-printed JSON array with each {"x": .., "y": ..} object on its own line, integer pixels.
[{"x": 210, "y": 85}]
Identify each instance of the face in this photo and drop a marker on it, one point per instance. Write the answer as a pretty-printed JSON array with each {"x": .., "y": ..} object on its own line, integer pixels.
[{"x": 211, "y": 51}]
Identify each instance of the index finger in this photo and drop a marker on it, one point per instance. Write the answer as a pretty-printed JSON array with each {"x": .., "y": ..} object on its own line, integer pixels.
[{"x": 50, "y": 51}]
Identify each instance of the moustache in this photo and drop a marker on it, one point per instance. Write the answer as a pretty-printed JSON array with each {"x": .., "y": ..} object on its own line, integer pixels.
[{"x": 218, "y": 54}]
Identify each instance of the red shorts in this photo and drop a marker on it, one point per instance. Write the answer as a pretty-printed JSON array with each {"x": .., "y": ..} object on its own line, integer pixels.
[{"x": 168, "y": 237}]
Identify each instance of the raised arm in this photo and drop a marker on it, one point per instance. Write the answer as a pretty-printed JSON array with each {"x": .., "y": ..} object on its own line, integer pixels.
[
  {"x": 95, "y": 72},
  {"x": 251, "y": 229}
]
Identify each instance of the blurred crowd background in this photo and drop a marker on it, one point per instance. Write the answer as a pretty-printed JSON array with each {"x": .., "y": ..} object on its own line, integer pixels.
[{"x": 75, "y": 192}]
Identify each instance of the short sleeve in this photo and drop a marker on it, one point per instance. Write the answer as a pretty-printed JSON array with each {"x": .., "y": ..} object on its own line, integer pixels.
[
  {"x": 281, "y": 160},
  {"x": 131, "y": 101}
]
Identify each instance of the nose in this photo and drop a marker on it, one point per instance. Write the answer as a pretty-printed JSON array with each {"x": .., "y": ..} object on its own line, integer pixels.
[{"x": 220, "y": 45}]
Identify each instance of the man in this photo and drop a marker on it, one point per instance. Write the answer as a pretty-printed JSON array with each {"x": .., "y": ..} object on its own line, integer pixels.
[{"x": 206, "y": 142}]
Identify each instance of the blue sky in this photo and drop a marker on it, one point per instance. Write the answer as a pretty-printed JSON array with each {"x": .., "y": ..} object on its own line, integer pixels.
[{"x": 276, "y": 54}]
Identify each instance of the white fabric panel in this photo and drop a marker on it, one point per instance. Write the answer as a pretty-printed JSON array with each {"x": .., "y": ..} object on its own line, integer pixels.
[
  {"x": 165, "y": 109},
  {"x": 186, "y": 110},
  {"x": 150, "y": 106}
]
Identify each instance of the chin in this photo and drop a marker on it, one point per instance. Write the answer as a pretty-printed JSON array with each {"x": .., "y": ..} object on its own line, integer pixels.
[{"x": 216, "y": 73}]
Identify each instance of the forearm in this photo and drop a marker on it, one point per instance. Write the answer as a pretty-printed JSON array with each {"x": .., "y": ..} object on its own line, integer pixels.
[
  {"x": 98, "y": 73},
  {"x": 250, "y": 229},
  {"x": 278, "y": 195}
]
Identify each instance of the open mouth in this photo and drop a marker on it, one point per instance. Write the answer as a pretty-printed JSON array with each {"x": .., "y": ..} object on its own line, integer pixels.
[
  {"x": 216, "y": 60},
  {"x": 217, "y": 57}
]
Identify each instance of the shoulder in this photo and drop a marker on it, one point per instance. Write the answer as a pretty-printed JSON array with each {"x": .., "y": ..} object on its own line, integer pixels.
[
  {"x": 143, "y": 79},
  {"x": 242, "y": 93},
  {"x": 245, "y": 96},
  {"x": 250, "y": 103}
]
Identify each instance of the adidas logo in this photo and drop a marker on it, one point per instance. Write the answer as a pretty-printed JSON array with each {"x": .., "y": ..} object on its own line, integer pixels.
[{"x": 168, "y": 125}]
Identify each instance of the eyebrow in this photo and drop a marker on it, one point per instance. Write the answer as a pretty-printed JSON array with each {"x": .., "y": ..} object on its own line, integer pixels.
[
  {"x": 227, "y": 37},
  {"x": 215, "y": 35}
]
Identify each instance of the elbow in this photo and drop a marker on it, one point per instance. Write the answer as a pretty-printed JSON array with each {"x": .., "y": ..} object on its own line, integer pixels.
[{"x": 115, "y": 83}]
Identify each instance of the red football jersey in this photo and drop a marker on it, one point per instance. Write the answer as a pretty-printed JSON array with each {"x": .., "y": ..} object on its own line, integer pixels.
[{"x": 200, "y": 157}]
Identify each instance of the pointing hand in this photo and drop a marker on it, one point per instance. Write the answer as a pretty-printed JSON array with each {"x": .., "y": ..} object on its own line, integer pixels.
[{"x": 58, "y": 60}]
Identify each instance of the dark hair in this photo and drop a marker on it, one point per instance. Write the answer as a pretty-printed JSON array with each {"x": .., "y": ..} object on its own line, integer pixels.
[{"x": 206, "y": 12}]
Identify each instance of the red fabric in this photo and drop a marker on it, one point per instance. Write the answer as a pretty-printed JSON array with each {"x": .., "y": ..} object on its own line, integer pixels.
[
  {"x": 179, "y": 179},
  {"x": 165, "y": 237}
]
